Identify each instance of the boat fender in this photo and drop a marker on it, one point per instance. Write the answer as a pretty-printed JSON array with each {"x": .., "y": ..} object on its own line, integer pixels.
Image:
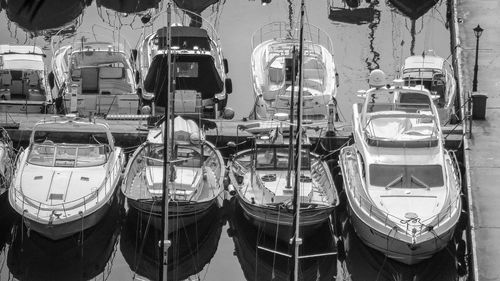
[{"x": 253, "y": 200}]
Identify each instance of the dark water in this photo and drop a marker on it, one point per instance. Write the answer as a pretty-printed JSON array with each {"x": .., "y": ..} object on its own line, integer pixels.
[{"x": 223, "y": 246}]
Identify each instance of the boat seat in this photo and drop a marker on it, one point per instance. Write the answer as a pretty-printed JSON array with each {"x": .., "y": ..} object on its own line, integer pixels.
[
  {"x": 313, "y": 84},
  {"x": 33, "y": 79},
  {"x": 313, "y": 73},
  {"x": 276, "y": 75},
  {"x": 5, "y": 79}
]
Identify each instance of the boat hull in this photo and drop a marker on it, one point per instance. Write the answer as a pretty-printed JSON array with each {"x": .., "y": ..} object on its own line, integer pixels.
[
  {"x": 278, "y": 222},
  {"x": 180, "y": 214},
  {"x": 391, "y": 243},
  {"x": 58, "y": 231}
]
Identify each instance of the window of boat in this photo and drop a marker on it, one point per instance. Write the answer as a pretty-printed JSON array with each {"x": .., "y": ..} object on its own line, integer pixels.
[
  {"x": 406, "y": 176},
  {"x": 41, "y": 154},
  {"x": 53, "y": 155},
  {"x": 186, "y": 69}
]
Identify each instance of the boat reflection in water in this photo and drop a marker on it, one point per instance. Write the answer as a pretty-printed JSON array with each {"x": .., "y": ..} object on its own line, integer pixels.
[
  {"x": 413, "y": 8},
  {"x": 128, "y": 6},
  {"x": 192, "y": 247},
  {"x": 82, "y": 256},
  {"x": 259, "y": 264},
  {"x": 345, "y": 12},
  {"x": 361, "y": 263},
  {"x": 34, "y": 16}
]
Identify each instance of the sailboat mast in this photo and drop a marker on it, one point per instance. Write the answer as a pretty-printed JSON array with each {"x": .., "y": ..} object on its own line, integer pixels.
[
  {"x": 297, "y": 241},
  {"x": 165, "y": 243}
]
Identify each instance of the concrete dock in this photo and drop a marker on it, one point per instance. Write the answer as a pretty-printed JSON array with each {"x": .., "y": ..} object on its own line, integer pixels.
[{"x": 481, "y": 155}]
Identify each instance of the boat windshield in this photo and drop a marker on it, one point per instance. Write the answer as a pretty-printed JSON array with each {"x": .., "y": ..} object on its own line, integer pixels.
[
  {"x": 68, "y": 155},
  {"x": 190, "y": 156},
  {"x": 406, "y": 176},
  {"x": 278, "y": 158}
]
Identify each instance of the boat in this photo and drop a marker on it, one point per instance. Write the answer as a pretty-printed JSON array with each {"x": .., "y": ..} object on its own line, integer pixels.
[
  {"x": 61, "y": 188},
  {"x": 196, "y": 182},
  {"x": 274, "y": 75},
  {"x": 401, "y": 184},
  {"x": 259, "y": 177},
  {"x": 193, "y": 246},
  {"x": 23, "y": 80},
  {"x": 200, "y": 70},
  {"x": 6, "y": 157},
  {"x": 128, "y": 6},
  {"x": 435, "y": 74},
  {"x": 94, "y": 75}
]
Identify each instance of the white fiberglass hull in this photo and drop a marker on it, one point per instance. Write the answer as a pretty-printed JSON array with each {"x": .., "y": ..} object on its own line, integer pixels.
[{"x": 384, "y": 232}]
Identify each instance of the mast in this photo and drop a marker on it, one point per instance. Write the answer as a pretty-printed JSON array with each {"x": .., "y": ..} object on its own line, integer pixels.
[
  {"x": 297, "y": 241},
  {"x": 165, "y": 243},
  {"x": 291, "y": 134}
]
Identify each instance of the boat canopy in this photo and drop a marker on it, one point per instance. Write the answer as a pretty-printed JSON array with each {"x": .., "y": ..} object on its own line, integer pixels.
[
  {"x": 423, "y": 62},
  {"x": 187, "y": 77},
  {"x": 20, "y": 57},
  {"x": 185, "y": 38}
]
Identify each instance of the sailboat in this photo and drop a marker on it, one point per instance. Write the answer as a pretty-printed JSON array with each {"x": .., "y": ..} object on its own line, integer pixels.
[
  {"x": 272, "y": 192},
  {"x": 402, "y": 185},
  {"x": 273, "y": 71},
  {"x": 197, "y": 177}
]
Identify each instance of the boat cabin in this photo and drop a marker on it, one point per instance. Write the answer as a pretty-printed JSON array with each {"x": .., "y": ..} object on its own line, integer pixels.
[
  {"x": 102, "y": 80},
  {"x": 22, "y": 74},
  {"x": 428, "y": 71}
]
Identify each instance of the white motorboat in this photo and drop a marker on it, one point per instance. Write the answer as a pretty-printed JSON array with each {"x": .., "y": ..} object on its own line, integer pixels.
[
  {"x": 6, "y": 158},
  {"x": 195, "y": 184},
  {"x": 95, "y": 76},
  {"x": 435, "y": 74},
  {"x": 402, "y": 186},
  {"x": 23, "y": 80},
  {"x": 200, "y": 70},
  {"x": 62, "y": 188},
  {"x": 273, "y": 73}
]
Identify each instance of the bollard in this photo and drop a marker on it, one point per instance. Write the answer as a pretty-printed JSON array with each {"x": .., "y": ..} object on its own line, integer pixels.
[{"x": 479, "y": 106}]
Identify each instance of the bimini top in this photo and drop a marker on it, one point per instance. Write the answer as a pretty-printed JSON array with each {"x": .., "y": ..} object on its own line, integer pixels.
[
  {"x": 184, "y": 38},
  {"x": 194, "y": 72},
  {"x": 422, "y": 66},
  {"x": 20, "y": 57}
]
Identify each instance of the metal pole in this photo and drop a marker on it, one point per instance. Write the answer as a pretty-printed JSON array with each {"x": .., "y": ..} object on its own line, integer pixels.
[
  {"x": 297, "y": 241},
  {"x": 165, "y": 243},
  {"x": 474, "y": 81}
]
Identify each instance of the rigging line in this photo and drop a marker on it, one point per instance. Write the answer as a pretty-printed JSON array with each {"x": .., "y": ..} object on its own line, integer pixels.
[{"x": 143, "y": 243}]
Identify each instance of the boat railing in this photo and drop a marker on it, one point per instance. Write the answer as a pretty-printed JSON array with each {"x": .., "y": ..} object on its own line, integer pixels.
[
  {"x": 88, "y": 201},
  {"x": 282, "y": 30},
  {"x": 98, "y": 35},
  {"x": 358, "y": 188}
]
